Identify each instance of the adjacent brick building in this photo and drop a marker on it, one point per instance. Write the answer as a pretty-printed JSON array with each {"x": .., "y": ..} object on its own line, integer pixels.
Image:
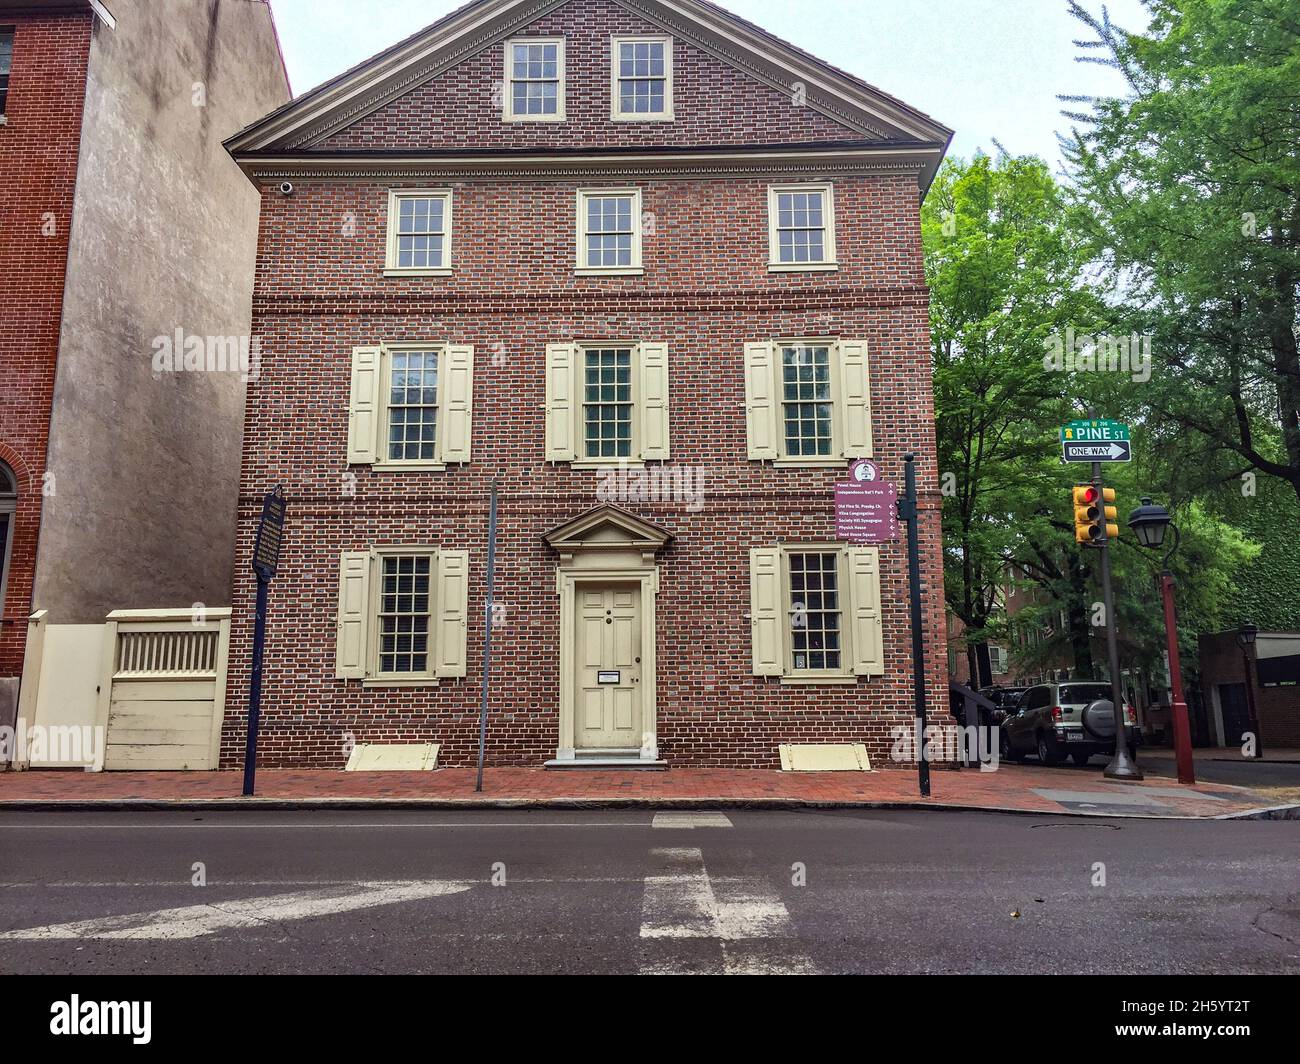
[
  {"x": 659, "y": 275},
  {"x": 121, "y": 221}
]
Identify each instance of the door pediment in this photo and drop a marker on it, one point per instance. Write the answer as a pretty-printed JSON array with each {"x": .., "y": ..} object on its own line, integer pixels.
[{"x": 608, "y": 528}]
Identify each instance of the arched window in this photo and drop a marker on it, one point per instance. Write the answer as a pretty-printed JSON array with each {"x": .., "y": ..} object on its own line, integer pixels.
[{"x": 8, "y": 506}]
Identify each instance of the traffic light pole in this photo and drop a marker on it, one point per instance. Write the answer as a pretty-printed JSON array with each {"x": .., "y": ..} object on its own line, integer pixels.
[{"x": 1121, "y": 767}]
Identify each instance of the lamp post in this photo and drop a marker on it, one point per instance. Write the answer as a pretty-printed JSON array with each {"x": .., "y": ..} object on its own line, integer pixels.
[
  {"x": 1246, "y": 636},
  {"x": 1149, "y": 523}
]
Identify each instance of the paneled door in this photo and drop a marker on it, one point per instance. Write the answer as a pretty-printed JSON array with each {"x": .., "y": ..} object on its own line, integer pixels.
[{"x": 608, "y": 657}]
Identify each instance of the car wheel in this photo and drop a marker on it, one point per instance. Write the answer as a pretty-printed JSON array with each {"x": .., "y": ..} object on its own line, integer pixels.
[
  {"x": 1046, "y": 754},
  {"x": 1007, "y": 751}
]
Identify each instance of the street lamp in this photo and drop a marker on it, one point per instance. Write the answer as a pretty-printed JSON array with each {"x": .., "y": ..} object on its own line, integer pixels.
[
  {"x": 1246, "y": 636},
  {"x": 1149, "y": 523}
]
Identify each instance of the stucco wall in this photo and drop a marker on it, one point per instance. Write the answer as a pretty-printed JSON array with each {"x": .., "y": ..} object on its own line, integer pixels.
[{"x": 163, "y": 239}]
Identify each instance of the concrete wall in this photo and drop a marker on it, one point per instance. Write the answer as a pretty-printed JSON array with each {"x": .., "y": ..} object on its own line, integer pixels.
[{"x": 146, "y": 464}]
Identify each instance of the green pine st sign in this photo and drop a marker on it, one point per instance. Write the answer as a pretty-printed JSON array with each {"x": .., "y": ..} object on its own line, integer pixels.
[{"x": 1096, "y": 440}]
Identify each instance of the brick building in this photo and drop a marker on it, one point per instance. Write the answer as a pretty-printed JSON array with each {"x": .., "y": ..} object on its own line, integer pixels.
[
  {"x": 658, "y": 274},
  {"x": 117, "y": 483},
  {"x": 1271, "y": 667}
]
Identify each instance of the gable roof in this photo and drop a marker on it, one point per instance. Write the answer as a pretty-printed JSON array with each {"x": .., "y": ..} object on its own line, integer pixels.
[{"x": 327, "y": 109}]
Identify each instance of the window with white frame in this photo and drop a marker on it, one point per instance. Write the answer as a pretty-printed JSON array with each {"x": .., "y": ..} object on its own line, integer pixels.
[
  {"x": 534, "y": 81},
  {"x": 403, "y": 613},
  {"x": 609, "y": 231},
  {"x": 419, "y": 232},
  {"x": 6, "y": 62},
  {"x": 802, "y": 227},
  {"x": 808, "y": 401},
  {"x": 816, "y": 612},
  {"x": 411, "y": 405},
  {"x": 642, "y": 79},
  {"x": 608, "y": 406}
]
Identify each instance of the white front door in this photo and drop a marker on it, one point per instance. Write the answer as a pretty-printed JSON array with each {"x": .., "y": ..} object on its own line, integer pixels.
[{"x": 608, "y": 657}]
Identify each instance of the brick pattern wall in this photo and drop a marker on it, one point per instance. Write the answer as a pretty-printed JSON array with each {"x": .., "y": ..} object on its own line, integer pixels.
[
  {"x": 1222, "y": 662},
  {"x": 38, "y": 171},
  {"x": 715, "y": 103},
  {"x": 320, "y": 292},
  {"x": 706, "y": 290}
]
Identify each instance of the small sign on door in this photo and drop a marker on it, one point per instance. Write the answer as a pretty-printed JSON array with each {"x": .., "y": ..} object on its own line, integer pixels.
[{"x": 609, "y": 677}]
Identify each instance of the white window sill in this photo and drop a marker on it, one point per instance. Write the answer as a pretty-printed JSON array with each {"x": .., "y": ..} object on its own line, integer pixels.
[
  {"x": 409, "y": 467},
  {"x": 533, "y": 118},
  {"x": 632, "y": 465},
  {"x": 610, "y": 271},
  {"x": 431, "y": 681},
  {"x": 440, "y": 272},
  {"x": 814, "y": 680},
  {"x": 811, "y": 463},
  {"x": 802, "y": 267},
  {"x": 667, "y": 117}
]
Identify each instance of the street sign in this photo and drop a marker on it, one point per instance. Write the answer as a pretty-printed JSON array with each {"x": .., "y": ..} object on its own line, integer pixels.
[
  {"x": 1096, "y": 430},
  {"x": 270, "y": 532},
  {"x": 1109, "y": 451},
  {"x": 866, "y": 512}
]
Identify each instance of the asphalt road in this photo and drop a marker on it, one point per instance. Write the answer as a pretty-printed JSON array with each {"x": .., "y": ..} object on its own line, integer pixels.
[{"x": 636, "y": 891}]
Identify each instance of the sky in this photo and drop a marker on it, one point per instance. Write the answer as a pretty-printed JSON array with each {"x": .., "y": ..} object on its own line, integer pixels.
[{"x": 986, "y": 68}]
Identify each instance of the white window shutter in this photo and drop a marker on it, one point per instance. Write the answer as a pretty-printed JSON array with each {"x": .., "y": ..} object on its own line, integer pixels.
[
  {"x": 864, "y": 603},
  {"x": 452, "y": 613},
  {"x": 455, "y": 417},
  {"x": 762, "y": 422},
  {"x": 654, "y": 402},
  {"x": 767, "y": 640},
  {"x": 562, "y": 403},
  {"x": 363, "y": 405},
  {"x": 855, "y": 393},
  {"x": 354, "y": 616}
]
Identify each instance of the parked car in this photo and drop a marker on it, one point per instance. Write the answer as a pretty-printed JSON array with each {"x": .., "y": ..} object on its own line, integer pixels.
[
  {"x": 1005, "y": 701},
  {"x": 1075, "y": 719}
]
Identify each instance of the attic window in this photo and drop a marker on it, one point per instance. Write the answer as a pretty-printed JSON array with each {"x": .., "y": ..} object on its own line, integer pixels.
[
  {"x": 642, "y": 79},
  {"x": 534, "y": 81}
]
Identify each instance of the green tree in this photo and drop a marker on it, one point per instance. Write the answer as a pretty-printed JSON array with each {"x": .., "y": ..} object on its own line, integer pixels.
[{"x": 1189, "y": 185}]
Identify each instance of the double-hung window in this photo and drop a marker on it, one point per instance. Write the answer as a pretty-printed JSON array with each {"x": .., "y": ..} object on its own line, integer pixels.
[
  {"x": 419, "y": 232},
  {"x": 801, "y": 227},
  {"x": 816, "y": 613},
  {"x": 642, "y": 82},
  {"x": 6, "y": 62},
  {"x": 402, "y": 615},
  {"x": 609, "y": 231},
  {"x": 534, "y": 81},
  {"x": 410, "y": 406},
  {"x": 607, "y": 403},
  {"x": 808, "y": 401}
]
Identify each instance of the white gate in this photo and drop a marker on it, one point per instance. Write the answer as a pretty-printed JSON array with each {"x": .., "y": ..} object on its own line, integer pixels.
[{"x": 163, "y": 698}]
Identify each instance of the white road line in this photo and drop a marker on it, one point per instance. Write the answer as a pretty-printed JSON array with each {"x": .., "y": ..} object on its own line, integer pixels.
[
  {"x": 195, "y": 921},
  {"x": 203, "y": 825},
  {"x": 691, "y": 820},
  {"x": 742, "y": 915}
]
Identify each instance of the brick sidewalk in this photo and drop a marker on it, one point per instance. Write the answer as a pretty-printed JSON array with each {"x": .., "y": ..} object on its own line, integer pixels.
[{"x": 1013, "y": 788}]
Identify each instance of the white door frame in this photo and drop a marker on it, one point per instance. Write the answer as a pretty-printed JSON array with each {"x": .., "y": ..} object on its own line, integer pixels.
[{"x": 568, "y": 579}]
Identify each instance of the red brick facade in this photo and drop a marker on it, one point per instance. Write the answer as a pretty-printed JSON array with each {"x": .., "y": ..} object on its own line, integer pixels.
[
  {"x": 39, "y": 146},
  {"x": 706, "y": 291}
]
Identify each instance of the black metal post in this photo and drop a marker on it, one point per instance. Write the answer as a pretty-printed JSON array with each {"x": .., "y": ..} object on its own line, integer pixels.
[
  {"x": 488, "y": 612},
  {"x": 255, "y": 687},
  {"x": 911, "y": 514},
  {"x": 1121, "y": 766}
]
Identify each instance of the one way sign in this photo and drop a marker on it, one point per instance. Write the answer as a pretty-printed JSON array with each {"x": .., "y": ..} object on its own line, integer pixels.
[{"x": 1090, "y": 451}]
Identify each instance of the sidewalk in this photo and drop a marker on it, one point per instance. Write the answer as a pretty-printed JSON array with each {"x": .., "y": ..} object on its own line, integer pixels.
[{"x": 1011, "y": 789}]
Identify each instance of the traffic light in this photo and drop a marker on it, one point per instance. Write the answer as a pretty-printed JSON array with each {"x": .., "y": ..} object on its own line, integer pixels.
[{"x": 1093, "y": 514}]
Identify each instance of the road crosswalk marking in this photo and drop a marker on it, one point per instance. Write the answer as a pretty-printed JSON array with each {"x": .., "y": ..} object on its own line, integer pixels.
[
  {"x": 692, "y": 820},
  {"x": 195, "y": 921},
  {"x": 742, "y": 916}
]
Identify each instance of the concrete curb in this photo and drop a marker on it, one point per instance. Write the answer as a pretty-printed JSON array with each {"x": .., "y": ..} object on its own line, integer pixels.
[{"x": 106, "y": 805}]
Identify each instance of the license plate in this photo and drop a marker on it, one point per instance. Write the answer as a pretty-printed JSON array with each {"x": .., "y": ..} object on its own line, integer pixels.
[{"x": 1074, "y": 737}]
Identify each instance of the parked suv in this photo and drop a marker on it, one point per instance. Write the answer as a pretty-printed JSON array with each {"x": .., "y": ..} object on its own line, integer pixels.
[
  {"x": 1004, "y": 699},
  {"x": 1058, "y": 720}
]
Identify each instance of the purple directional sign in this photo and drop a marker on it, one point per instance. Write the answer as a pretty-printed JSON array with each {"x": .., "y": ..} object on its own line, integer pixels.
[{"x": 866, "y": 511}]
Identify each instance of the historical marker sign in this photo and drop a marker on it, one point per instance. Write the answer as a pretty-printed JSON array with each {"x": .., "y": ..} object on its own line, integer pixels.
[
  {"x": 866, "y": 510},
  {"x": 270, "y": 534}
]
